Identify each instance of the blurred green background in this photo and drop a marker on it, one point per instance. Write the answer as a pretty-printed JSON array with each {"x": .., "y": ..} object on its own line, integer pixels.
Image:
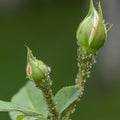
[{"x": 48, "y": 27}]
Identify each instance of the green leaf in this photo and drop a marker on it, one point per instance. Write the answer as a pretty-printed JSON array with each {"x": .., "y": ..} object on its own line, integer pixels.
[
  {"x": 9, "y": 106},
  {"x": 30, "y": 96},
  {"x": 66, "y": 96},
  {"x": 21, "y": 117}
]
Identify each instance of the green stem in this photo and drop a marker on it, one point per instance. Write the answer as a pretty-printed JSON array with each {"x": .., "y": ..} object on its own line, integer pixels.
[
  {"x": 86, "y": 59},
  {"x": 47, "y": 91},
  {"x": 66, "y": 116},
  {"x": 68, "y": 112}
]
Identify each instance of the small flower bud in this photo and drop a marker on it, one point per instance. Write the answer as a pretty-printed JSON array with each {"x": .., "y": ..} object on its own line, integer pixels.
[
  {"x": 36, "y": 69},
  {"x": 92, "y": 32}
]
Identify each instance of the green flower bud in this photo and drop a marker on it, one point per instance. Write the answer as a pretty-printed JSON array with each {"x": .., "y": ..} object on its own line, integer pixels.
[
  {"x": 36, "y": 69},
  {"x": 92, "y": 33}
]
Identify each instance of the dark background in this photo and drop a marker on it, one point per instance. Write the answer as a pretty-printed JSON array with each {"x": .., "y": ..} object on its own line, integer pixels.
[{"x": 48, "y": 27}]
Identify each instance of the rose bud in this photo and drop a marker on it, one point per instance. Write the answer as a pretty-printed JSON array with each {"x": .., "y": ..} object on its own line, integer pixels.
[
  {"x": 36, "y": 69},
  {"x": 92, "y": 33}
]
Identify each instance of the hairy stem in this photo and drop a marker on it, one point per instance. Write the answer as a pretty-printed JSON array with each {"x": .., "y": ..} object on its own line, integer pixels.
[
  {"x": 69, "y": 111},
  {"x": 47, "y": 91},
  {"x": 86, "y": 59}
]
